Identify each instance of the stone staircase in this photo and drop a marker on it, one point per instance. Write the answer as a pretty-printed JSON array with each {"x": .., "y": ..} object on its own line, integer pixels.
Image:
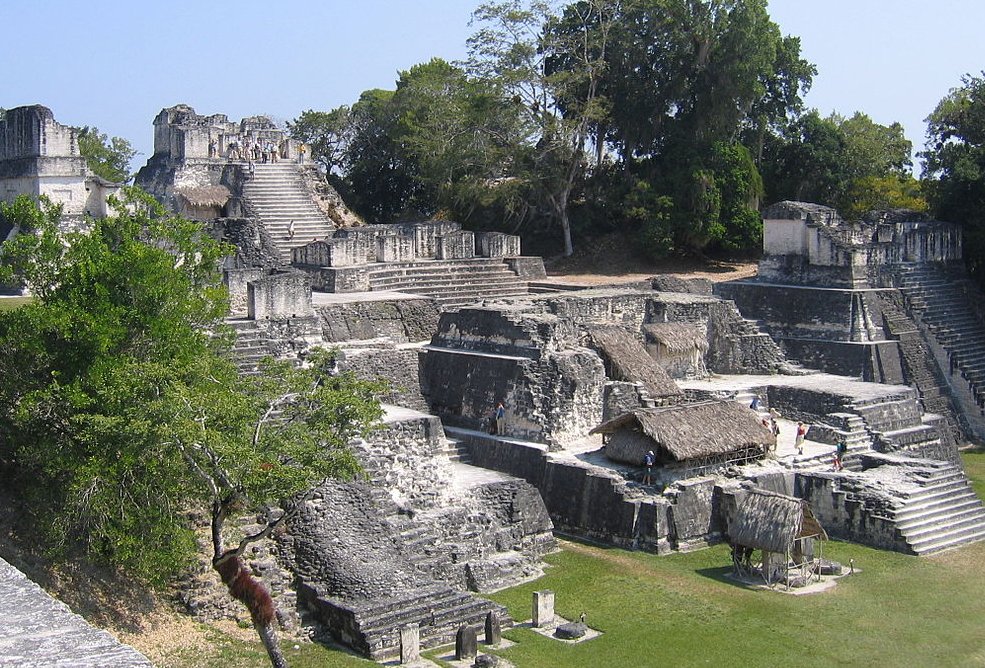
[
  {"x": 897, "y": 422},
  {"x": 250, "y": 347},
  {"x": 449, "y": 282},
  {"x": 438, "y": 610},
  {"x": 944, "y": 513},
  {"x": 458, "y": 451},
  {"x": 947, "y": 307},
  {"x": 921, "y": 370},
  {"x": 276, "y": 195}
]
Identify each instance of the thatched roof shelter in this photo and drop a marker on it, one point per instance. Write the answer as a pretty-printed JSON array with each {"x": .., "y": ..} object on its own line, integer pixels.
[
  {"x": 677, "y": 337},
  {"x": 628, "y": 360},
  {"x": 203, "y": 196},
  {"x": 772, "y": 522},
  {"x": 685, "y": 432}
]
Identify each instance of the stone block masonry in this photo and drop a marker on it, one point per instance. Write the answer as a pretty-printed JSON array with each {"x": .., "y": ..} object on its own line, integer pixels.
[
  {"x": 400, "y": 321},
  {"x": 41, "y": 631}
]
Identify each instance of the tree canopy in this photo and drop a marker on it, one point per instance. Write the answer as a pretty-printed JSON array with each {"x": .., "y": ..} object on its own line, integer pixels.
[
  {"x": 669, "y": 119},
  {"x": 955, "y": 166},
  {"x": 106, "y": 157},
  {"x": 119, "y": 412}
]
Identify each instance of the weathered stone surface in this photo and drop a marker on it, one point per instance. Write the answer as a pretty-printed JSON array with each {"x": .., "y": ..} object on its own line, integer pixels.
[
  {"x": 410, "y": 643},
  {"x": 39, "y": 156},
  {"x": 491, "y": 661},
  {"x": 403, "y": 320},
  {"x": 543, "y": 608},
  {"x": 571, "y": 631},
  {"x": 494, "y": 633},
  {"x": 40, "y": 631},
  {"x": 466, "y": 644},
  {"x": 280, "y": 295}
]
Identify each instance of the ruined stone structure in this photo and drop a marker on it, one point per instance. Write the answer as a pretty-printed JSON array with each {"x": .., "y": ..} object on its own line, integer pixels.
[
  {"x": 434, "y": 259},
  {"x": 39, "y": 156},
  {"x": 208, "y": 167},
  {"x": 828, "y": 293}
]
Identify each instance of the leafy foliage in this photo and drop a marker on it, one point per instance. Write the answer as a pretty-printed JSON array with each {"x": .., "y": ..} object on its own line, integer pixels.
[
  {"x": 106, "y": 157},
  {"x": 955, "y": 166},
  {"x": 560, "y": 114},
  {"x": 854, "y": 165},
  {"x": 119, "y": 411}
]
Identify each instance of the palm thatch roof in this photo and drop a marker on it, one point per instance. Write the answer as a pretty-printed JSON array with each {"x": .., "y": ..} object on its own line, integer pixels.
[
  {"x": 687, "y": 431},
  {"x": 677, "y": 337},
  {"x": 769, "y": 521},
  {"x": 629, "y": 361},
  {"x": 203, "y": 196}
]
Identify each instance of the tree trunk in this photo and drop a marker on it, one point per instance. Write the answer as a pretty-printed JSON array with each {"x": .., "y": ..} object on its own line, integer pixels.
[{"x": 254, "y": 595}]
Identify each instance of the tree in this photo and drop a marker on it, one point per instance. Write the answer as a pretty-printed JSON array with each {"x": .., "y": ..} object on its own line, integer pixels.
[
  {"x": 119, "y": 412},
  {"x": 954, "y": 166},
  {"x": 551, "y": 66},
  {"x": 852, "y": 164},
  {"x": 108, "y": 158},
  {"x": 326, "y": 133},
  {"x": 685, "y": 82}
]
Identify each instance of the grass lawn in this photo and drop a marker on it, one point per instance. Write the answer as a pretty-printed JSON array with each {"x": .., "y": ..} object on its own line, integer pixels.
[
  {"x": 682, "y": 610},
  {"x": 7, "y": 303}
]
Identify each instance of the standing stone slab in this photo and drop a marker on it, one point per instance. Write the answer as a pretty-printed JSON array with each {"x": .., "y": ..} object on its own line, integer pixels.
[
  {"x": 410, "y": 644},
  {"x": 466, "y": 644},
  {"x": 494, "y": 634},
  {"x": 543, "y": 613}
]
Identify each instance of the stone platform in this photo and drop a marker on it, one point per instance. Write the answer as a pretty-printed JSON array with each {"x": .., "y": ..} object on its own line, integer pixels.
[{"x": 41, "y": 631}]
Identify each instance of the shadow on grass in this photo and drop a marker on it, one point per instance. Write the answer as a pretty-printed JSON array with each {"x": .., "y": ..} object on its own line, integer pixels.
[
  {"x": 721, "y": 574},
  {"x": 581, "y": 540}
]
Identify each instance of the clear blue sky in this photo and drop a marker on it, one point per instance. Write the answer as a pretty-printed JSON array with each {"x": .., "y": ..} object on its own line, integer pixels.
[{"x": 115, "y": 64}]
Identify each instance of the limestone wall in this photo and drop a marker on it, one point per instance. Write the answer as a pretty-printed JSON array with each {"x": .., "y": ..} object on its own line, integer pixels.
[
  {"x": 595, "y": 503},
  {"x": 497, "y": 244},
  {"x": 281, "y": 295},
  {"x": 844, "y": 516},
  {"x": 30, "y": 132},
  {"x": 455, "y": 246},
  {"x": 400, "y": 368},
  {"x": 401, "y": 320}
]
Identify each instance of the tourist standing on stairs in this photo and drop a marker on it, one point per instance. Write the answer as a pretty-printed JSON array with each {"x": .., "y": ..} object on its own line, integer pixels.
[
  {"x": 290, "y": 230},
  {"x": 500, "y": 418},
  {"x": 301, "y": 149},
  {"x": 801, "y": 435}
]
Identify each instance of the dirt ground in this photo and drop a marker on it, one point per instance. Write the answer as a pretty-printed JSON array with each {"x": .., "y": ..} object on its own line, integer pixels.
[{"x": 613, "y": 259}]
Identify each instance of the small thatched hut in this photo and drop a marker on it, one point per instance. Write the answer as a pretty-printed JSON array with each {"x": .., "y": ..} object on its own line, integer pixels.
[
  {"x": 783, "y": 528},
  {"x": 678, "y": 347},
  {"x": 698, "y": 435},
  {"x": 201, "y": 202},
  {"x": 626, "y": 359}
]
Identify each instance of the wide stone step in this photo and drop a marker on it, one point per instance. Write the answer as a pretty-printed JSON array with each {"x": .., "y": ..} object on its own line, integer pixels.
[
  {"x": 918, "y": 511},
  {"x": 909, "y": 435},
  {"x": 448, "y": 274},
  {"x": 457, "y": 282},
  {"x": 935, "y": 492},
  {"x": 961, "y": 534},
  {"x": 918, "y": 525},
  {"x": 437, "y": 608}
]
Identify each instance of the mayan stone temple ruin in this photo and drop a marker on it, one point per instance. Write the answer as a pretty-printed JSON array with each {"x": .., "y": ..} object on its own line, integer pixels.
[{"x": 660, "y": 416}]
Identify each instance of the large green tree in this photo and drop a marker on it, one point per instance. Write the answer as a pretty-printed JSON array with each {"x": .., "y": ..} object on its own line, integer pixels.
[
  {"x": 551, "y": 66},
  {"x": 107, "y": 157},
  {"x": 687, "y": 83},
  {"x": 852, "y": 164},
  {"x": 955, "y": 166},
  {"x": 119, "y": 412}
]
